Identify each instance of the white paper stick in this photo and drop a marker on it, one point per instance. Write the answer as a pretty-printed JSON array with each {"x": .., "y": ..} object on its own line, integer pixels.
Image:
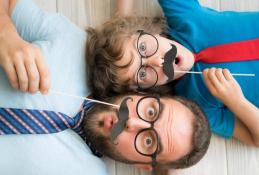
[
  {"x": 193, "y": 72},
  {"x": 84, "y": 98}
]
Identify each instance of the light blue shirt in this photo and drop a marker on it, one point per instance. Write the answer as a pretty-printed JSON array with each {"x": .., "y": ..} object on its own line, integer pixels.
[{"x": 63, "y": 46}]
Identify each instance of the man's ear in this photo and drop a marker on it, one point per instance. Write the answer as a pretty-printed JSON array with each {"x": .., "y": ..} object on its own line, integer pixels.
[{"x": 144, "y": 167}]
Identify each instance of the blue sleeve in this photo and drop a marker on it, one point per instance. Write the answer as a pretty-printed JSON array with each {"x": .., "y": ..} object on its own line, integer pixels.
[
  {"x": 175, "y": 10},
  {"x": 34, "y": 24},
  {"x": 31, "y": 22},
  {"x": 178, "y": 6},
  {"x": 221, "y": 121}
]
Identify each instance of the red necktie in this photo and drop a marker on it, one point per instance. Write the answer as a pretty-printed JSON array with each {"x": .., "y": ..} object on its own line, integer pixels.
[{"x": 231, "y": 52}]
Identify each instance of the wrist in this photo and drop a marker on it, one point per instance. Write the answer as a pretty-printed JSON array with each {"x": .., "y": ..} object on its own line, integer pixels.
[
  {"x": 6, "y": 26},
  {"x": 238, "y": 104}
]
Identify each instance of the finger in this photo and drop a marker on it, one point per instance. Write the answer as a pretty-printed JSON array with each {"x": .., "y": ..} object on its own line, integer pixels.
[
  {"x": 208, "y": 82},
  {"x": 227, "y": 75},
  {"x": 22, "y": 75},
  {"x": 11, "y": 74},
  {"x": 33, "y": 75},
  {"x": 220, "y": 76},
  {"x": 43, "y": 73},
  {"x": 213, "y": 78}
]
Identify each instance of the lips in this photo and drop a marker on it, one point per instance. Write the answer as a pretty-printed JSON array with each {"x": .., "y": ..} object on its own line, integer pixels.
[{"x": 178, "y": 61}]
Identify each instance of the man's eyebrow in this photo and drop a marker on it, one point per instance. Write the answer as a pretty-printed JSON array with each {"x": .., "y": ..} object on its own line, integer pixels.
[{"x": 160, "y": 145}]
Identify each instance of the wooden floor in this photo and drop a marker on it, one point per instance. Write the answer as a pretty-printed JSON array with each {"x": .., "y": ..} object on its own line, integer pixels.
[{"x": 223, "y": 157}]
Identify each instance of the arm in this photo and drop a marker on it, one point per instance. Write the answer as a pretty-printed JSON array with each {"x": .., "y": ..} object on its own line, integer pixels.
[
  {"x": 124, "y": 7},
  {"x": 22, "y": 62},
  {"x": 223, "y": 86}
]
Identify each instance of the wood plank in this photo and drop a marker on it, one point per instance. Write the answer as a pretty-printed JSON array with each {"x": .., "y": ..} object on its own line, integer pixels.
[
  {"x": 98, "y": 11},
  {"x": 125, "y": 169},
  {"x": 143, "y": 8},
  {"x": 215, "y": 4},
  {"x": 75, "y": 10},
  {"x": 213, "y": 163},
  {"x": 242, "y": 159},
  {"x": 111, "y": 166},
  {"x": 239, "y": 5}
]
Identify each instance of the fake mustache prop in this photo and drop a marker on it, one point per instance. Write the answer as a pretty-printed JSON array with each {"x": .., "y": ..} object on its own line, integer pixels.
[
  {"x": 123, "y": 117},
  {"x": 169, "y": 58},
  {"x": 169, "y": 71}
]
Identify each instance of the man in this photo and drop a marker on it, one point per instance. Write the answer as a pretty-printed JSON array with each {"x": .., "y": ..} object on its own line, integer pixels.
[
  {"x": 148, "y": 131},
  {"x": 62, "y": 45}
]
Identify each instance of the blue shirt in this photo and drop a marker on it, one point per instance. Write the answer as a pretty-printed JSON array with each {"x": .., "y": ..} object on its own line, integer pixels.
[{"x": 197, "y": 28}]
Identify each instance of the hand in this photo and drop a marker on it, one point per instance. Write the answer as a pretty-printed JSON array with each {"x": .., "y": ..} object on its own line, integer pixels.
[
  {"x": 222, "y": 85},
  {"x": 22, "y": 62}
]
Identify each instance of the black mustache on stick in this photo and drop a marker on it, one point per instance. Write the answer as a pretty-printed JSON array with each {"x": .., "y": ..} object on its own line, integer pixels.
[
  {"x": 123, "y": 117},
  {"x": 168, "y": 60}
]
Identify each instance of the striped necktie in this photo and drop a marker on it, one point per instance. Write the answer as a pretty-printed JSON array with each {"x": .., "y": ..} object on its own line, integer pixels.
[{"x": 29, "y": 121}]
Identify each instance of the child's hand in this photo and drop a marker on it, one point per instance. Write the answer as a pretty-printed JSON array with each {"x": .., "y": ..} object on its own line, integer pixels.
[
  {"x": 222, "y": 85},
  {"x": 23, "y": 63}
]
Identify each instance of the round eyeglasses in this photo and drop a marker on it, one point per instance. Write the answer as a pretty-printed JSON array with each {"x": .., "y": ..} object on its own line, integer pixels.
[
  {"x": 147, "y": 142},
  {"x": 147, "y": 46}
]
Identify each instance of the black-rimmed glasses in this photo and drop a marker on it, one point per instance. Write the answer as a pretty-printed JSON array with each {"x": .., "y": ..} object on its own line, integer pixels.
[
  {"x": 147, "y": 46},
  {"x": 147, "y": 142}
]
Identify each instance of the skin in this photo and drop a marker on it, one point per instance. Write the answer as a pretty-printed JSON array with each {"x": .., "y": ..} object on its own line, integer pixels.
[
  {"x": 184, "y": 56},
  {"x": 22, "y": 61},
  {"x": 174, "y": 123}
]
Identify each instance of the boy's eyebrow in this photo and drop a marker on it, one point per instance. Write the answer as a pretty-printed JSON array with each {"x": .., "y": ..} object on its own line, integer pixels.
[{"x": 134, "y": 75}]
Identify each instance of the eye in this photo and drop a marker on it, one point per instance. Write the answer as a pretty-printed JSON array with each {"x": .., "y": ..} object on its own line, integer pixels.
[
  {"x": 148, "y": 141},
  {"x": 142, "y": 48},
  {"x": 142, "y": 74},
  {"x": 151, "y": 113}
]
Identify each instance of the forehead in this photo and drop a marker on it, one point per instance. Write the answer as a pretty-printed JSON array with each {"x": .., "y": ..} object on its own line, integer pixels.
[
  {"x": 128, "y": 46},
  {"x": 129, "y": 62}
]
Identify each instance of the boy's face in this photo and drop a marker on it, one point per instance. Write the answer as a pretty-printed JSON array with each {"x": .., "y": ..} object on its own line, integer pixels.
[{"x": 148, "y": 56}]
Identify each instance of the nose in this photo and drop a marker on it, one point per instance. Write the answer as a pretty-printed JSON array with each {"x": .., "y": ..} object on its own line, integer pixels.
[
  {"x": 154, "y": 61},
  {"x": 136, "y": 124}
]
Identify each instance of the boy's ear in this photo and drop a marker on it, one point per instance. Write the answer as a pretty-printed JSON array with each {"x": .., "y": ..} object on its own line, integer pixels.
[{"x": 144, "y": 167}]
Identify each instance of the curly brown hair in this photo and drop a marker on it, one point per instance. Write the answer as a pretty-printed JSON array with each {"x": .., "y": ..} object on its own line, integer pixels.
[{"x": 105, "y": 47}]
